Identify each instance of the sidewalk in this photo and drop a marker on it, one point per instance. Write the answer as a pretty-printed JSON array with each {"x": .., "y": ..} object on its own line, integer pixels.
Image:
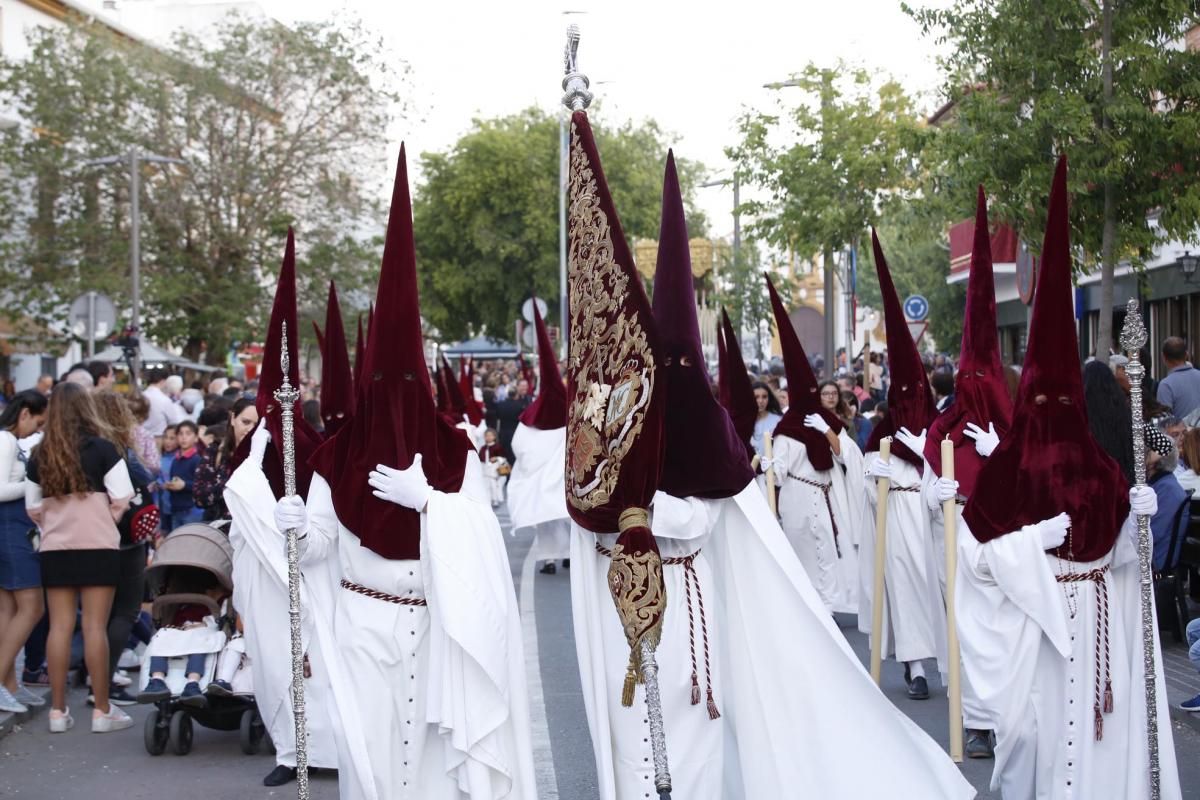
[
  {"x": 1183, "y": 681},
  {"x": 9, "y": 722}
]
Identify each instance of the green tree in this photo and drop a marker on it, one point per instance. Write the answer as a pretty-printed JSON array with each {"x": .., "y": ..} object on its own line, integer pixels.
[
  {"x": 486, "y": 216},
  {"x": 277, "y": 126},
  {"x": 824, "y": 166},
  {"x": 1103, "y": 81}
]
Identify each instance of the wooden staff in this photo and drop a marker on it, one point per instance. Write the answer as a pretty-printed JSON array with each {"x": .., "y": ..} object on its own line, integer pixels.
[
  {"x": 950, "y": 518},
  {"x": 769, "y": 453},
  {"x": 883, "y": 485}
]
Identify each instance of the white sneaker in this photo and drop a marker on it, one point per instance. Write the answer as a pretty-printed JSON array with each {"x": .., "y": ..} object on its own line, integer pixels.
[
  {"x": 129, "y": 660},
  {"x": 9, "y": 703},
  {"x": 27, "y": 697},
  {"x": 119, "y": 678},
  {"x": 61, "y": 721},
  {"x": 114, "y": 720}
]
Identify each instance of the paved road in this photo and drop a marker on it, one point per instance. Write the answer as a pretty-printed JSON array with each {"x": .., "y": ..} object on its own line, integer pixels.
[{"x": 83, "y": 766}]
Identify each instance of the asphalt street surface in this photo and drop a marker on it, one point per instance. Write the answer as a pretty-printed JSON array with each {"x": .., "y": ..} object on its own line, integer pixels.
[{"x": 83, "y": 766}]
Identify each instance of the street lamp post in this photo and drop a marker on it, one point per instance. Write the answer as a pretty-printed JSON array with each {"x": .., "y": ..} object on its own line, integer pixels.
[{"x": 133, "y": 158}]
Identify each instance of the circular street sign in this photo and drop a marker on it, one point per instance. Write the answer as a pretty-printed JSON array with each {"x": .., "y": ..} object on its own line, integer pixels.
[
  {"x": 529, "y": 338},
  {"x": 1026, "y": 273},
  {"x": 105, "y": 312},
  {"x": 916, "y": 307},
  {"x": 527, "y": 309}
]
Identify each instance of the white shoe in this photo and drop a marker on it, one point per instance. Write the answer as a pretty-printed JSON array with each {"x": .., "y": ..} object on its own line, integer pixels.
[
  {"x": 9, "y": 703},
  {"x": 119, "y": 678},
  {"x": 114, "y": 720},
  {"x": 61, "y": 721},
  {"x": 27, "y": 697},
  {"x": 129, "y": 660}
]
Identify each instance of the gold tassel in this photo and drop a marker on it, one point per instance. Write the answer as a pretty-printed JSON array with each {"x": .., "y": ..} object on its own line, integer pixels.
[
  {"x": 713, "y": 713},
  {"x": 1099, "y": 724},
  {"x": 630, "y": 683},
  {"x": 1108, "y": 698}
]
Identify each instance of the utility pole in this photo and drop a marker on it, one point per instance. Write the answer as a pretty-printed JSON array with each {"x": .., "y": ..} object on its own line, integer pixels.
[
  {"x": 830, "y": 302},
  {"x": 134, "y": 158}
]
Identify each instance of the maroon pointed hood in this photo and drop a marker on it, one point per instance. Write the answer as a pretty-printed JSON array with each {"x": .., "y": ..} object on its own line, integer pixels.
[
  {"x": 456, "y": 401},
  {"x": 981, "y": 393},
  {"x": 395, "y": 417},
  {"x": 548, "y": 411},
  {"x": 803, "y": 397},
  {"x": 358, "y": 357},
  {"x": 526, "y": 371},
  {"x": 1049, "y": 463},
  {"x": 910, "y": 400},
  {"x": 320, "y": 339},
  {"x": 734, "y": 388},
  {"x": 337, "y": 379},
  {"x": 271, "y": 378},
  {"x": 467, "y": 386},
  {"x": 704, "y": 457}
]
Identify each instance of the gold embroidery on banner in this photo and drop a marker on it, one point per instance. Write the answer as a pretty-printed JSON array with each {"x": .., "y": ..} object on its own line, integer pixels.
[
  {"x": 612, "y": 364},
  {"x": 639, "y": 593}
]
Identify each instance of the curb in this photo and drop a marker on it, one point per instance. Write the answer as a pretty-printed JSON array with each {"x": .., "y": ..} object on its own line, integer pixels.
[{"x": 10, "y": 722}]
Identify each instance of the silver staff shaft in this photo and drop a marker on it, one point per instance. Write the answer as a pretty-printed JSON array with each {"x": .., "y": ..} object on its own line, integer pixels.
[
  {"x": 287, "y": 395},
  {"x": 1133, "y": 336},
  {"x": 658, "y": 737}
]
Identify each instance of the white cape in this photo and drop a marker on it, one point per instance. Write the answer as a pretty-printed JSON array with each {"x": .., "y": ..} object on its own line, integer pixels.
[
  {"x": 1033, "y": 666},
  {"x": 467, "y": 692},
  {"x": 536, "y": 494},
  {"x": 260, "y": 594},
  {"x": 791, "y": 692}
]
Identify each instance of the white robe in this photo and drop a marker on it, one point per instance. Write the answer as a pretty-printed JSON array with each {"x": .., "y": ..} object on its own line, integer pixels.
[
  {"x": 536, "y": 495},
  {"x": 440, "y": 689},
  {"x": 804, "y": 514},
  {"x": 913, "y": 608},
  {"x": 1033, "y": 667},
  {"x": 260, "y": 595},
  {"x": 790, "y": 691}
]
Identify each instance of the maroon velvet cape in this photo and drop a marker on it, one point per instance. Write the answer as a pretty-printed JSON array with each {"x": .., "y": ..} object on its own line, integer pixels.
[
  {"x": 615, "y": 417},
  {"x": 394, "y": 416},
  {"x": 910, "y": 400},
  {"x": 269, "y": 411},
  {"x": 734, "y": 389},
  {"x": 548, "y": 411},
  {"x": 337, "y": 379},
  {"x": 1049, "y": 463},
  {"x": 467, "y": 385},
  {"x": 456, "y": 402},
  {"x": 803, "y": 391},
  {"x": 980, "y": 391},
  {"x": 704, "y": 457}
]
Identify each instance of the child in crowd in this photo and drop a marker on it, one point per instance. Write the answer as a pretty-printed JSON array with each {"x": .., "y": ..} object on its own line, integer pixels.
[
  {"x": 192, "y": 632},
  {"x": 170, "y": 447},
  {"x": 495, "y": 465},
  {"x": 183, "y": 472}
]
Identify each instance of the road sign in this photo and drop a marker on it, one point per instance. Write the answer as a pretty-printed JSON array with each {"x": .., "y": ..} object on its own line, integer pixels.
[
  {"x": 916, "y": 307},
  {"x": 93, "y": 316},
  {"x": 529, "y": 338},
  {"x": 917, "y": 330},
  {"x": 527, "y": 309}
]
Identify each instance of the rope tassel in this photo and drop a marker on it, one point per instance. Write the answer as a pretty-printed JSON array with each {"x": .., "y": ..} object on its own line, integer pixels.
[{"x": 713, "y": 713}]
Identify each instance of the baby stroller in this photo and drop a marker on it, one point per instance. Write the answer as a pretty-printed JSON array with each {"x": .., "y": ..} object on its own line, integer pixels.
[{"x": 194, "y": 553}]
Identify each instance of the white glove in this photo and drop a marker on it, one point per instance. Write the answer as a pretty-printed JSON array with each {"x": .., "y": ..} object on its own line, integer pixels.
[
  {"x": 913, "y": 441},
  {"x": 945, "y": 489},
  {"x": 880, "y": 469},
  {"x": 258, "y": 442},
  {"x": 1143, "y": 501},
  {"x": 817, "y": 423},
  {"x": 404, "y": 487},
  {"x": 291, "y": 513},
  {"x": 987, "y": 441},
  {"x": 1053, "y": 531}
]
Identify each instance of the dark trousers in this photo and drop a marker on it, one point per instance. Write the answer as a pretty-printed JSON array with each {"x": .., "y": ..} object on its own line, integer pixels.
[
  {"x": 195, "y": 664},
  {"x": 127, "y": 601},
  {"x": 35, "y": 645}
]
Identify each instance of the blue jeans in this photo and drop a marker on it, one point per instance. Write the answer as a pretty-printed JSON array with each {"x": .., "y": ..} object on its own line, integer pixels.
[
  {"x": 1193, "y": 639},
  {"x": 195, "y": 664},
  {"x": 181, "y": 518}
]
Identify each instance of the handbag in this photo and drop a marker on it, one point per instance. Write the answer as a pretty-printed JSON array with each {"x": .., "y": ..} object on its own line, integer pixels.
[{"x": 141, "y": 519}]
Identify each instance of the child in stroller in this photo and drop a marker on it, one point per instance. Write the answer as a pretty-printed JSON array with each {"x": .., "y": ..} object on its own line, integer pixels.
[{"x": 191, "y": 577}]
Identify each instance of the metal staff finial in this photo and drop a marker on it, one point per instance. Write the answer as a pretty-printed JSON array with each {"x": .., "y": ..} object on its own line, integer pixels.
[
  {"x": 287, "y": 395},
  {"x": 575, "y": 84},
  {"x": 1133, "y": 337}
]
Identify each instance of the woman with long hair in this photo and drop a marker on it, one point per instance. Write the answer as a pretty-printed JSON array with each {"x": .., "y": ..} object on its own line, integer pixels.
[
  {"x": 214, "y": 472},
  {"x": 769, "y": 414},
  {"x": 114, "y": 414},
  {"x": 21, "y": 604},
  {"x": 76, "y": 488},
  {"x": 831, "y": 400},
  {"x": 1108, "y": 415}
]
